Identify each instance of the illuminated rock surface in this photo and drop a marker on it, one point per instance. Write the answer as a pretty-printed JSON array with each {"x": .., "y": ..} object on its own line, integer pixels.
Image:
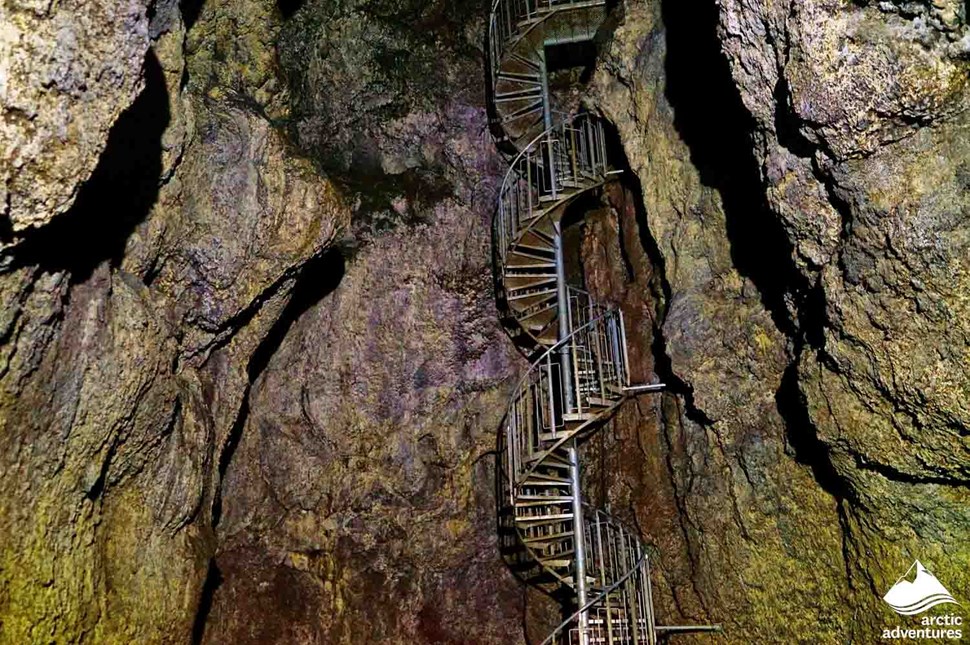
[{"x": 250, "y": 371}]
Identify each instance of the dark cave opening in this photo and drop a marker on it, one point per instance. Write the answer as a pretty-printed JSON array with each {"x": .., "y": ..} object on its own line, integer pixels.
[
  {"x": 213, "y": 580},
  {"x": 190, "y": 11},
  {"x": 118, "y": 196},
  {"x": 289, "y": 7},
  {"x": 580, "y": 56},
  {"x": 786, "y": 125},
  {"x": 802, "y": 437}
]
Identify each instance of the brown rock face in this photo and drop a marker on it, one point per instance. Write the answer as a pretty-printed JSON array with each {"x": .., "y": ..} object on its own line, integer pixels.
[
  {"x": 359, "y": 500},
  {"x": 863, "y": 159},
  {"x": 815, "y": 443},
  {"x": 69, "y": 69},
  {"x": 129, "y": 321},
  {"x": 251, "y": 373}
]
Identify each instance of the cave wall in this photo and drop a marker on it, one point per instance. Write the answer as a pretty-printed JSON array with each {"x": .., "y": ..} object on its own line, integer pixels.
[
  {"x": 803, "y": 214},
  {"x": 863, "y": 157},
  {"x": 152, "y": 239},
  {"x": 359, "y": 505},
  {"x": 714, "y": 485},
  {"x": 250, "y": 369},
  {"x": 260, "y": 185}
]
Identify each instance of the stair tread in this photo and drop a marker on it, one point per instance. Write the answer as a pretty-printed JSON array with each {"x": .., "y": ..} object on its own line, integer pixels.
[
  {"x": 555, "y": 537},
  {"x": 535, "y": 503},
  {"x": 531, "y": 293},
  {"x": 544, "y": 518}
]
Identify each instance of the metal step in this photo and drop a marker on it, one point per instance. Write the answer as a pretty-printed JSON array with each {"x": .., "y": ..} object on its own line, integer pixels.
[
  {"x": 524, "y": 261},
  {"x": 519, "y": 503},
  {"x": 523, "y": 304},
  {"x": 519, "y": 77},
  {"x": 556, "y": 563},
  {"x": 526, "y": 253},
  {"x": 551, "y": 460},
  {"x": 544, "y": 519},
  {"x": 580, "y": 416},
  {"x": 534, "y": 64},
  {"x": 523, "y": 111},
  {"x": 539, "y": 319},
  {"x": 552, "y": 537},
  {"x": 541, "y": 479},
  {"x": 595, "y": 400},
  {"x": 526, "y": 280},
  {"x": 523, "y": 293},
  {"x": 549, "y": 335},
  {"x": 519, "y": 95}
]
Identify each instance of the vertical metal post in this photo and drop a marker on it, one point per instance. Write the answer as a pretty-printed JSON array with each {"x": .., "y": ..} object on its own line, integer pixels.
[
  {"x": 566, "y": 376},
  {"x": 626, "y": 357},
  {"x": 651, "y": 621},
  {"x": 546, "y": 106},
  {"x": 579, "y": 537}
]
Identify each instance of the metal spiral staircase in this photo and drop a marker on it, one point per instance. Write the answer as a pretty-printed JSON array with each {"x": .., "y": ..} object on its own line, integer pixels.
[{"x": 594, "y": 565}]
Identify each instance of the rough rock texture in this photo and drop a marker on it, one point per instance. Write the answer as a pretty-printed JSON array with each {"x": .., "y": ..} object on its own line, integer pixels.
[
  {"x": 358, "y": 506},
  {"x": 361, "y": 492},
  {"x": 128, "y": 322},
  {"x": 806, "y": 219},
  {"x": 716, "y": 495},
  {"x": 250, "y": 371},
  {"x": 863, "y": 136},
  {"x": 67, "y": 71}
]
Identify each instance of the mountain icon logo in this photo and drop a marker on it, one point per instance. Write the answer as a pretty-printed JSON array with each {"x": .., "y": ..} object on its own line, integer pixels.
[{"x": 925, "y": 591}]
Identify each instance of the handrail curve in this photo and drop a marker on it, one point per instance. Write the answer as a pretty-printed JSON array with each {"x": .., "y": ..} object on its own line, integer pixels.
[{"x": 579, "y": 374}]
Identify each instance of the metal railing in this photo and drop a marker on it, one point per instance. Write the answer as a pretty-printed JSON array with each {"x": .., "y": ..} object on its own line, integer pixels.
[
  {"x": 538, "y": 419},
  {"x": 547, "y": 535},
  {"x": 621, "y": 611},
  {"x": 559, "y": 163},
  {"x": 511, "y": 19}
]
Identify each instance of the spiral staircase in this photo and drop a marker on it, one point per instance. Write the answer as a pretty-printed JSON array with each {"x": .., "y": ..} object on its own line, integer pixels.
[{"x": 594, "y": 565}]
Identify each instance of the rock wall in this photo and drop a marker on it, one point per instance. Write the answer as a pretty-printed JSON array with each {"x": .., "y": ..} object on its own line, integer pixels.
[
  {"x": 359, "y": 504},
  {"x": 250, "y": 369},
  {"x": 154, "y": 239},
  {"x": 803, "y": 218},
  {"x": 863, "y": 147},
  {"x": 69, "y": 70}
]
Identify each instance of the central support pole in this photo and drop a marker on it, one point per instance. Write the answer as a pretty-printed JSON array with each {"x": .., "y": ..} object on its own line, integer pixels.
[
  {"x": 580, "y": 541},
  {"x": 566, "y": 372}
]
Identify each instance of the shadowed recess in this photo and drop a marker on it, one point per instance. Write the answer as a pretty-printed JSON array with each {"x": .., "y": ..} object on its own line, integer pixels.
[
  {"x": 712, "y": 120},
  {"x": 802, "y": 436},
  {"x": 212, "y": 581},
  {"x": 318, "y": 278},
  {"x": 289, "y": 7},
  {"x": 699, "y": 77},
  {"x": 190, "y": 11},
  {"x": 118, "y": 196}
]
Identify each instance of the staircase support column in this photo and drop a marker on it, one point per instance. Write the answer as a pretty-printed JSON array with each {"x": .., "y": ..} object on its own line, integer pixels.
[
  {"x": 566, "y": 373},
  {"x": 580, "y": 542}
]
